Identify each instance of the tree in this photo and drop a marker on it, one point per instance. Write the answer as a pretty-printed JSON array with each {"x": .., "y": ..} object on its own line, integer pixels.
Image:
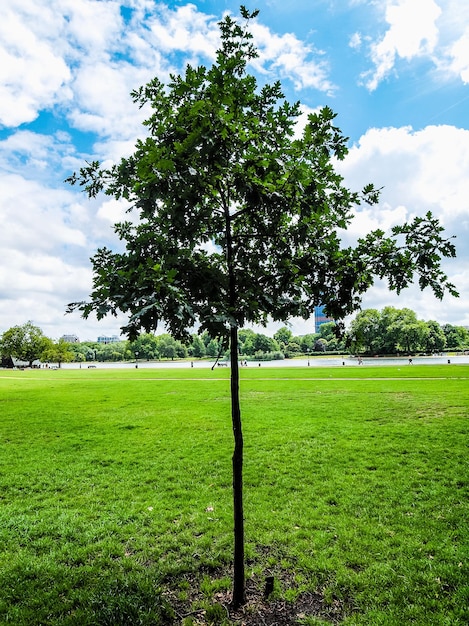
[
  {"x": 292, "y": 348},
  {"x": 364, "y": 332},
  {"x": 114, "y": 351},
  {"x": 166, "y": 346},
  {"x": 436, "y": 340},
  {"x": 197, "y": 347},
  {"x": 328, "y": 331},
  {"x": 213, "y": 348},
  {"x": 283, "y": 337},
  {"x": 307, "y": 342},
  {"x": 58, "y": 352},
  {"x": 320, "y": 345},
  {"x": 246, "y": 339},
  {"x": 26, "y": 342},
  {"x": 262, "y": 343},
  {"x": 456, "y": 336},
  {"x": 89, "y": 349},
  {"x": 146, "y": 345},
  {"x": 220, "y": 165},
  {"x": 408, "y": 334}
]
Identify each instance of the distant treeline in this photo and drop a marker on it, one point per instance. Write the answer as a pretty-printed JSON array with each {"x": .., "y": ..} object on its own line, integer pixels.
[
  {"x": 397, "y": 331},
  {"x": 387, "y": 332},
  {"x": 390, "y": 331}
]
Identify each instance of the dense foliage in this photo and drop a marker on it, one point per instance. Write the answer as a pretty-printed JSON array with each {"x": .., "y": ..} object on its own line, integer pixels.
[
  {"x": 394, "y": 331},
  {"x": 26, "y": 343}
]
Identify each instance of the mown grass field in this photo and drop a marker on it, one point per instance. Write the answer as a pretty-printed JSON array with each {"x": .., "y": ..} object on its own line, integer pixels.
[{"x": 115, "y": 487}]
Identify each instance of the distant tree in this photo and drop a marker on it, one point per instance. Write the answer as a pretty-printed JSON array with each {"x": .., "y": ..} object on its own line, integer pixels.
[
  {"x": 387, "y": 332},
  {"x": 320, "y": 345},
  {"x": 364, "y": 331},
  {"x": 307, "y": 342},
  {"x": 435, "y": 338},
  {"x": 398, "y": 331},
  {"x": 26, "y": 343},
  {"x": 283, "y": 336},
  {"x": 263, "y": 343},
  {"x": 457, "y": 337},
  {"x": 220, "y": 164},
  {"x": 88, "y": 349},
  {"x": 166, "y": 346},
  {"x": 78, "y": 355},
  {"x": 394, "y": 330},
  {"x": 58, "y": 352},
  {"x": 197, "y": 347},
  {"x": 181, "y": 350},
  {"x": 246, "y": 341},
  {"x": 146, "y": 345},
  {"x": 293, "y": 347},
  {"x": 408, "y": 334},
  {"x": 330, "y": 332},
  {"x": 213, "y": 348},
  {"x": 115, "y": 351}
]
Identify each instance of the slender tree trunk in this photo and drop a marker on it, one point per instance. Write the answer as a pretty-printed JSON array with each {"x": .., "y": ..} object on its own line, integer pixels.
[
  {"x": 237, "y": 459},
  {"x": 238, "y": 565}
]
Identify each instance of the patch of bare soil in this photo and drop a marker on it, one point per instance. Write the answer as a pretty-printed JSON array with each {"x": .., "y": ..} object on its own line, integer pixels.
[{"x": 258, "y": 610}]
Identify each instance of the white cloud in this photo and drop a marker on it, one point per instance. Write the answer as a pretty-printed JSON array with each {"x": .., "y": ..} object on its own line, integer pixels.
[
  {"x": 420, "y": 171},
  {"x": 427, "y": 168},
  {"x": 102, "y": 103},
  {"x": 33, "y": 217},
  {"x": 184, "y": 29},
  {"x": 355, "y": 41},
  {"x": 30, "y": 68},
  {"x": 82, "y": 56},
  {"x": 287, "y": 56},
  {"x": 434, "y": 30},
  {"x": 46, "y": 238},
  {"x": 412, "y": 32},
  {"x": 32, "y": 154},
  {"x": 94, "y": 27},
  {"x": 113, "y": 211},
  {"x": 458, "y": 55}
]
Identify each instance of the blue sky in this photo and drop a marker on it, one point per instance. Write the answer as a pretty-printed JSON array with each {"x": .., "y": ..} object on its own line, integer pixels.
[{"x": 395, "y": 71}]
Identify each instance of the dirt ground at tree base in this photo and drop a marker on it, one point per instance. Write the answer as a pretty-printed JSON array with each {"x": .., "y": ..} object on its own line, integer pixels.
[{"x": 197, "y": 610}]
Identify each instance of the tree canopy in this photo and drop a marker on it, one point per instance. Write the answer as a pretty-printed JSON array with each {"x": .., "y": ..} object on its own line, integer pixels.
[
  {"x": 58, "y": 351},
  {"x": 26, "y": 342},
  {"x": 392, "y": 330},
  {"x": 239, "y": 219}
]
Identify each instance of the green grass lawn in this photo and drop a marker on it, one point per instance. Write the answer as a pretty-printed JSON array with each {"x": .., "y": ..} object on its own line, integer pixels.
[{"x": 115, "y": 487}]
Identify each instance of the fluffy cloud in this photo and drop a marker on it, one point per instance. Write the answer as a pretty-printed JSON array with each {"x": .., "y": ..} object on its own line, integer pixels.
[
  {"x": 412, "y": 32},
  {"x": 433, "y": 30},
  {"x": 30, "y": 67},
  {"x": 419, "y": 171},
  {"x": 458, "y": 55},
  {"x": 290, "y": 58},
  {"x": 426, "y": 169},
  {"x": 84, "y": 57}
]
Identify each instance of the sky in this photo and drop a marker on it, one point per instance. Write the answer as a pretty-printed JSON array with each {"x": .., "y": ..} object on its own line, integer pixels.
[{"x": 396, "y": 72}]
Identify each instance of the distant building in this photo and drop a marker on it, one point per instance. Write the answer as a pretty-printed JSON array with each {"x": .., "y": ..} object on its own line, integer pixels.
[
  {"x": 112, "y": 339},
  {"x": 320, "y": 318},
  {"x": 70, "y": 338}
]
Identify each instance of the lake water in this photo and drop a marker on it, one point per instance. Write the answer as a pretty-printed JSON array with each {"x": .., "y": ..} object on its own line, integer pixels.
[{"x": 312, "y": 362}]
